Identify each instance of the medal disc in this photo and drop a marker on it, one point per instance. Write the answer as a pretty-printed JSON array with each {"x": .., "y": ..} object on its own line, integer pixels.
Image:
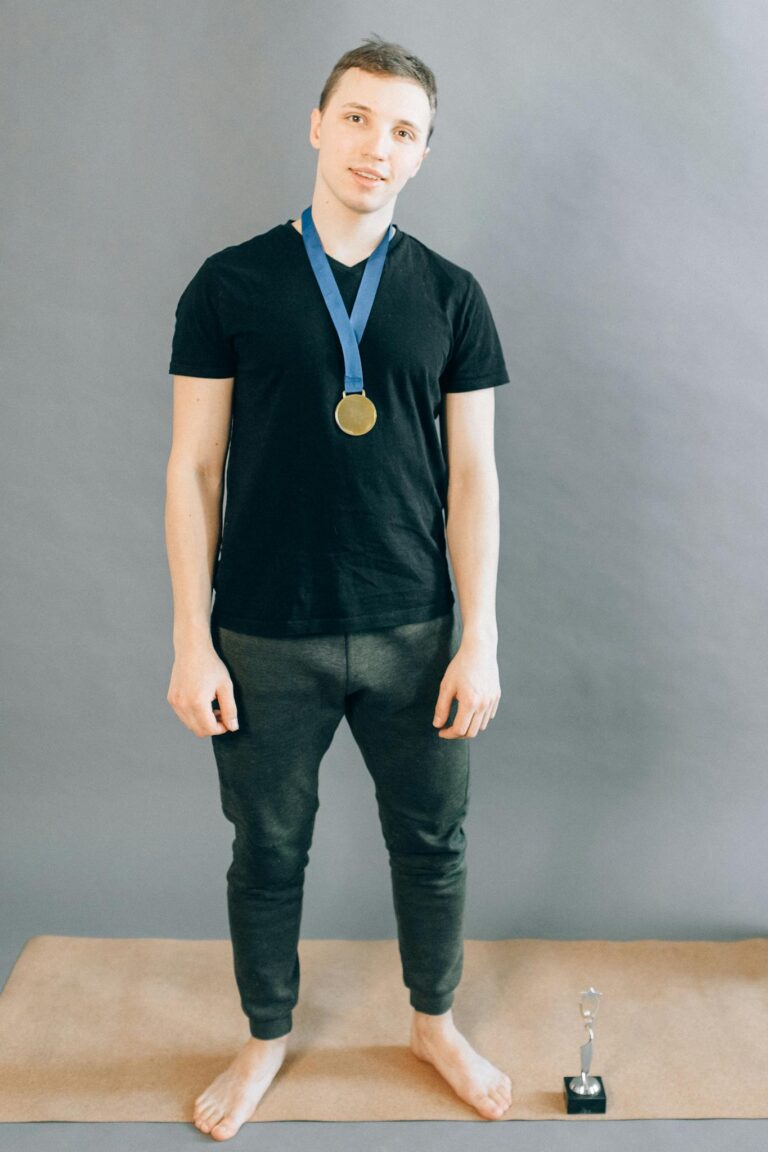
[{"x": 355, "y": 413}]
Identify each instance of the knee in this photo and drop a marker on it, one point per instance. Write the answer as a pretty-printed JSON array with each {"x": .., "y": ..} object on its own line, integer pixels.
[
  {"x": 435, "y": 847},
  {"x": 275, "y": 864}
]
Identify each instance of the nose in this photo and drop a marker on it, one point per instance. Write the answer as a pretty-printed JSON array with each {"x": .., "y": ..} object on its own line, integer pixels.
[{"x": 378, "y": 144}]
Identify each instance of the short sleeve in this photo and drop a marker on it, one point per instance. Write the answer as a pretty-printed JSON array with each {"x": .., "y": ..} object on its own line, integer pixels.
[
  {"x": 200, "y": 346},
  {"x": 477, "y": 359}
]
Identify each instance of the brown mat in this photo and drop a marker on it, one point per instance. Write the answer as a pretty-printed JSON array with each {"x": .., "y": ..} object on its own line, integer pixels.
[{"x": 133, "y": 1030}]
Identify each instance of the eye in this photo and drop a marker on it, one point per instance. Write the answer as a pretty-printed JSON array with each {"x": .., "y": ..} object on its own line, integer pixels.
[{"x": 357, "y": 116}]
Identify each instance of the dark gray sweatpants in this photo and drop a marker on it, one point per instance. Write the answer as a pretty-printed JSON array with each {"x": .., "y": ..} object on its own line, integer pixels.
[{"x": 291, "y": 694}]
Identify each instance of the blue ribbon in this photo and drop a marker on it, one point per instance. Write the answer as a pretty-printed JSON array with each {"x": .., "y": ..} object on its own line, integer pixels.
[{"x": 350, "y": 329}]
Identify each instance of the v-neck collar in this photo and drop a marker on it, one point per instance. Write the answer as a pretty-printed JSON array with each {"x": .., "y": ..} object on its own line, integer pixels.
[{"x": 338, "y": 263}]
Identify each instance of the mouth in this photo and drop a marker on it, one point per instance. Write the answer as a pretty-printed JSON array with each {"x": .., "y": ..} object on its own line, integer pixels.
[{"x": 367, "y": 176}]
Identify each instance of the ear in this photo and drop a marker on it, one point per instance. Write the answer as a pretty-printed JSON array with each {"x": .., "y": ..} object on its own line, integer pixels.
[
  {"x": 424, "y": 153},
  {"x": 315, "y": 120}
]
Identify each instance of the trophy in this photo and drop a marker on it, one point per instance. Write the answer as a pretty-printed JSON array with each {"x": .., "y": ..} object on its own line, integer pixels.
[{"x": 585, "y": 1093}]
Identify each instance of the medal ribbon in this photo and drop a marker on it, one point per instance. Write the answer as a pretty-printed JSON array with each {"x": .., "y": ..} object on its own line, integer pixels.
[{"x": 350, "y": 329}]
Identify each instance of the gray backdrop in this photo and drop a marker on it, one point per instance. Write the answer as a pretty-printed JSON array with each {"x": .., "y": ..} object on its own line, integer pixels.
[{"x": 601, "y": 168}]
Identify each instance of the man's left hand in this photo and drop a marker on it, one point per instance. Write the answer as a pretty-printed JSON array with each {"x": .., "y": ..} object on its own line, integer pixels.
[{"x": 472, "y": 677}]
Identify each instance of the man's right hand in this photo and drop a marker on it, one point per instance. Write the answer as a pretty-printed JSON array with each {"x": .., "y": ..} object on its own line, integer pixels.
[{"x": 199, "y": 674}]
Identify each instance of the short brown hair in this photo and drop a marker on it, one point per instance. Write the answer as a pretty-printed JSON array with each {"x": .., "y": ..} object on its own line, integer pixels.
[{"x": 378, "y": 55}]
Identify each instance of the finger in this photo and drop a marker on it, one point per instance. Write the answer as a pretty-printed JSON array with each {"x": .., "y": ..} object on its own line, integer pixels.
[
  {"x": 476, "y": 723},
  {"x": 227, "y": 707},
  {"x": 487, "y": 717},
  {"x": 201, "y": 722},
  {"x": 221, "y": 728},
  {"x": 207, "y": 722},
  {"x": 443, "y": 706},
  {"x": 197, "y": 720},
  {"x": 461, "y": 722}
]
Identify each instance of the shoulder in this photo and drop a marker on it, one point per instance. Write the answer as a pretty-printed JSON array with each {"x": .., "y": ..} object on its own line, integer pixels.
[
  {"x": 453, "y": 287},
  {"x": 226, "y": 273},
  {"x": 447, "y": 272},
  {"x": 253, "y": 251}
]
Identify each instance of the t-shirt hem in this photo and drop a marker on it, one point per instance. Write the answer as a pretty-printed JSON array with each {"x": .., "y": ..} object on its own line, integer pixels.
[
  {"x": 476, "y": 383},
  {"x": 416, "y": 614},
  {"x": 177, "y": 369}
]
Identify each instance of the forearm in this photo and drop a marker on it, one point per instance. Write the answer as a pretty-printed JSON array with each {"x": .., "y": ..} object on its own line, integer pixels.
[
  {"x": 472, "y": 535},
  {"x": 192, "y": 530}
]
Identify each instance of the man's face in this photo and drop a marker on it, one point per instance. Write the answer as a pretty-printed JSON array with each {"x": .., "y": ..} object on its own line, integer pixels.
[{"x": 388, "y": 136}]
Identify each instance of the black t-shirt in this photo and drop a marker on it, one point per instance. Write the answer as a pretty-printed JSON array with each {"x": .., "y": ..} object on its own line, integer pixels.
[{"x": 323, "y": 531}]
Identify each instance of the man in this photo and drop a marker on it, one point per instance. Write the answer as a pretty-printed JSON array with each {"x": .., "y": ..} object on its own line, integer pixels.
[{"x": 333, "y": 596}]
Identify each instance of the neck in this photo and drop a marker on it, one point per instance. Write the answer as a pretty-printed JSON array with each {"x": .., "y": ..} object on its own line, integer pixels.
[{"x": 345, "y": 234}]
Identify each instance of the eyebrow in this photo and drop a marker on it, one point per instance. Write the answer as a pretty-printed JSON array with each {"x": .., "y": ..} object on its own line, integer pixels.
[{"x": 365, "y": 108}]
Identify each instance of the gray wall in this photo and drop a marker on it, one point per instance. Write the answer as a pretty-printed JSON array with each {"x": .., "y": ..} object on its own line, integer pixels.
[{"x": 601, "y": 168}]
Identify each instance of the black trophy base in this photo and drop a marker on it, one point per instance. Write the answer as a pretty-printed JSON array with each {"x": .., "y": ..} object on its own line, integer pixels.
[{"x": 577, "y": 1103}]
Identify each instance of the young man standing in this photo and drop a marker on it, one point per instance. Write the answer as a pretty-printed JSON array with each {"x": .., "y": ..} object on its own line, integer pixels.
[{"x": 321, "y": 353}]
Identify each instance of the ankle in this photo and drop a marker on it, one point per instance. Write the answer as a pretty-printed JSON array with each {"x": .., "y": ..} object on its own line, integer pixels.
[
  {"x": 428, "y": 1022},
  {"x": 272, "y": 1042}
]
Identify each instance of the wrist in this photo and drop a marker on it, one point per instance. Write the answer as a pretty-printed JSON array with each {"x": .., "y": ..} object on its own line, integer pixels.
[
  {"x": 192, "y": 634},
  {"x": 480, "y": 633}
]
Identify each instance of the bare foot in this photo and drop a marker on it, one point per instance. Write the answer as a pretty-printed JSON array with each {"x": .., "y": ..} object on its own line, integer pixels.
[
  {"x": 437, "y": 1040},
  {"x": 231, "y": 1099}
]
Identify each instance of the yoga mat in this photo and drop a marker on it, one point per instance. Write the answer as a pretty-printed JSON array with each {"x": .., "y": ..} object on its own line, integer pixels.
[{"x": 117, "y": 1030}]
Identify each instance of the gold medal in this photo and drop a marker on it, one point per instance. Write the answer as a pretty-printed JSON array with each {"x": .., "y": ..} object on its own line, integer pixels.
[{"x": 355, "y": 413}]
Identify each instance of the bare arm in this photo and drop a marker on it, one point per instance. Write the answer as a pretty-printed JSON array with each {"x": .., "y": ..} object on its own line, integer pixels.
[
  {"x": 202, "y": 411},
  {"x": 472, "y": 525},
  {"x": 472, "y": 535}
]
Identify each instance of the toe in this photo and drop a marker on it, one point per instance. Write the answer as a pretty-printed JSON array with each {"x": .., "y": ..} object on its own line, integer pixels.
[
  {"x": 494, "y": 1104},
  {"x": 224, "y": 1129},
  {"x": 209, "y": 1117},
  {"x": 498, "y": 1095},
  {"x": 489, "y": 1107},
  {"x": 504, "y": 1088}
]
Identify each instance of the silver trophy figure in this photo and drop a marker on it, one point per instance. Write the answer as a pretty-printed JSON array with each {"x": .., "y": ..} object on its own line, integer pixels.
[{"x": 585, "y": 1093}]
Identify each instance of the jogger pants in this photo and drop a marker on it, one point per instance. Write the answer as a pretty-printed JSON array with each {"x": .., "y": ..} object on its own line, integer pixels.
[{"x": 291, "y": 694}]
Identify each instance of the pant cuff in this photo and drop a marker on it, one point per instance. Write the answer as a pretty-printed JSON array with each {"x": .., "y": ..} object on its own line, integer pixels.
[
  {"x": 432, "y": 1005},
  {"x": 270, "y": 1029}
]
